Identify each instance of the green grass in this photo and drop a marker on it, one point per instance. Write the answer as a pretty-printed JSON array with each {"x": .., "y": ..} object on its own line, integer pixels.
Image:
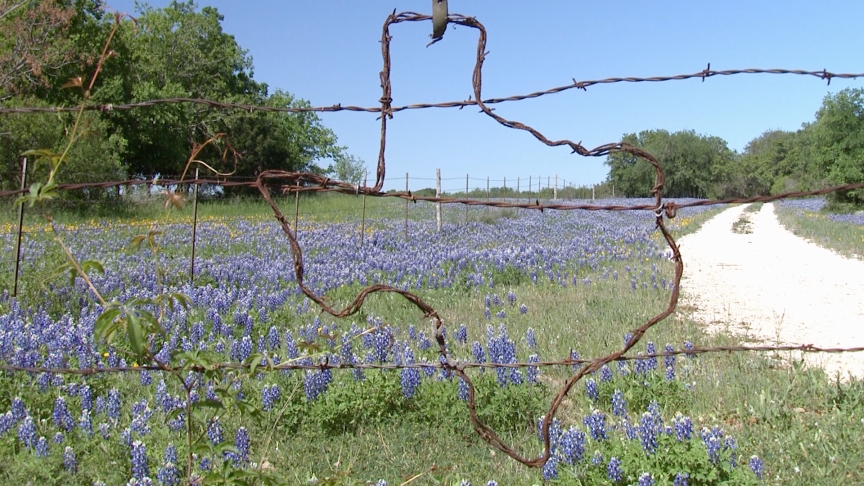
[{"x": 844, "y": 238}]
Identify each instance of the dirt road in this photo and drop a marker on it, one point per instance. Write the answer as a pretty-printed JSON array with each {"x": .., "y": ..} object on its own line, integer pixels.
[{"x": 771, "y": 287}]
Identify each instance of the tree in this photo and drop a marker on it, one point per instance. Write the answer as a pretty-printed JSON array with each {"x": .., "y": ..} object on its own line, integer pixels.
[
  {"x": 693, "y": 164},
  {"x": 839, "y": 136},
  {"x": 349, "y": 169}
]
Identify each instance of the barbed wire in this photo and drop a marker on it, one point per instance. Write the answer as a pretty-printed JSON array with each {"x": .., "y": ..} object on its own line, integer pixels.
[
  {"x": 579, "y": 85},
  {"x": 291, "y": 366},
  {"x": 294, "y": 182}
]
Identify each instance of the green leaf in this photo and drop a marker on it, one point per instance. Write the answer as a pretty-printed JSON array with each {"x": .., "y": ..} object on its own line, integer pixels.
[
  {"x": 104, "y": 321},
  {"x": 136, "y": 335},
  {"x": 135, "y": 243},
  {"x": 208, "y": 404},
  {"x": 88, "y": 265},
  {"x": 253, "y": 361}
]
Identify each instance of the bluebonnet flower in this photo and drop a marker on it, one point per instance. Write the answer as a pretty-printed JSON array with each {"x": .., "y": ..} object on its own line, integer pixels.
[
  {"x": 669, "y": 361},
  {"x": 597, "y": 459},
  {"x": 487, "y": 313},
  {"x": 462, "y": 391},
  {"x": 84, "y": 422},
  {"x": 61, "y": 416},
  {"x": 650, "y": 348},
  {"x": 6, "y": 422},
  {"x": 495, "y": 299},
  {"x": 69, "y": 462},
  {"x": 681, "y": 479},
  {"x": 689, "y": 347},
  {"x": 18, "y": 410},
  {"x": 605, "y": 374},
  {"x": 214, "y": 432},
  {"x": 424, "y": 342},
  {"x": 487, "y": 301},
  {"x": 59, "y": 438},
  {"x": 711, "y": 439},
  {"x": 41, "y": 447},
  {"x": 462, "y": 334},
  {"x": 139, "y": 460},
  {"x": 523, "y": 309},
  {"x": 479, "y": 355},
  {"x": 574, "y": 355},
  {"x": 145, "y": 378},
  {"x": 533, "y": 371},
  {"x": 757, "y": 466},
  {"x": 273, "y": 338},
  {"x": 113, "y": 405},
  {"x": 613, "y": 470},
  {"x": 410, "y": 377},
  {"x": 492, "y": 483},
  {"x": 86, "y": 395},
  {"x": 290, "y": 346},
  {"x": 550, "y": 469},
  {"x": 168, "y": 474},
  {"x": 571, "y": 444},
  {"x": 126, "y": 437},
  {"x": 627, "y": 338},
  {"x": 619, "y": 404},
  {"x": 683, "y": 427},
  {"x": 591, "y": 390},
  {"x": 648, "y": 433},
  {"x": 646, "y": 480},
  {"x": 205, "y": 464},
  {"x": 596, "y": 423},
  {"x": 501, "y": 314},
  {"x": 27, "y": 432},
  {"x": 316, "y": 383},
  {"x": 242, "y": 442},
  {"x": 270, "y": 394},
  {"x": 511, "y": 297},
  {"x": 530, "y": 338},
  {"x": 731, "y": 445}
]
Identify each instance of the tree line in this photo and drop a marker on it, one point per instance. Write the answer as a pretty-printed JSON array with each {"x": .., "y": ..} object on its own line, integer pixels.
[
  {"x": 827, "y": 151},
  {"x": 177, "y": 51}
]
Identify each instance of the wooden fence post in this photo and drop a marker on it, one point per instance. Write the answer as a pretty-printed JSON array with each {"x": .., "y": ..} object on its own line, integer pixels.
[
  {"x": 406, "y": 206},
  {"x": 438, "y": 195},
  {"x": 466, "y": 197},
  {"x": 363, "y": 214},
  {"x": 20, "y": 228},
  {"x": 194, "y": 229}
]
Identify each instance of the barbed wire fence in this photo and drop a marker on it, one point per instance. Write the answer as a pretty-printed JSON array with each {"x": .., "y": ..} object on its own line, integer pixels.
[{"x": 286, "y": 182}]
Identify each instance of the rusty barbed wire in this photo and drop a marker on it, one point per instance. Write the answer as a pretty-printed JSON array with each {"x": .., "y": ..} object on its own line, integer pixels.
[
  {"x": 583, "y": 85},
  {"x": 264, "y": 368},
  {"x": 292, "y": 182}
]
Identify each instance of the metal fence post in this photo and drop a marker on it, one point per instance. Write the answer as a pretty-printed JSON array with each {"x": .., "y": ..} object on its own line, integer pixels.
[{"x": 20, "y": 228}]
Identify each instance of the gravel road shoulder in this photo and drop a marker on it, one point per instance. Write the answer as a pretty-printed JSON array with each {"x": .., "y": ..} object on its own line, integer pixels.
[{"x": 772, "y": 287}]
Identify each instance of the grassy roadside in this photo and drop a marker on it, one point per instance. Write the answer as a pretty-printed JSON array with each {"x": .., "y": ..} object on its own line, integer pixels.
[{"x": 845, "y": 238}]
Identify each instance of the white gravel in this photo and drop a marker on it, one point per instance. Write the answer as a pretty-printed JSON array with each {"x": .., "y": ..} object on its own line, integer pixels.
[{"x": 772, "y": 287}]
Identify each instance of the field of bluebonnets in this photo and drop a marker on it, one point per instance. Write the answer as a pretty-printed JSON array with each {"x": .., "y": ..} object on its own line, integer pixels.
[{"x": 511, "y": 286}]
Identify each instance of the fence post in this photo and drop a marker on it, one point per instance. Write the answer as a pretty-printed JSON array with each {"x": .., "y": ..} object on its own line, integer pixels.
[
  {"x": 539, "y": 183},
  {"x": 363, "y": 214},
  {"x": 406, "y": 206},
  {"x": 555, "y": 192},
  {"x": 20, "y": 228},
  {"x": 438, "y": 195},
  {"x": 613, "y": 191},
  {"x": 505, "y": 190},
  {"x": 194, "y": 229},
  {"x": 517, "y": 191},
  {"x": 530, "y": 185},
  {"x": 466, "y": 197},
  {"x": 487, "y": 192},
  {"x": 592, "y": 191},
  {"x": 297, "y": 210}
]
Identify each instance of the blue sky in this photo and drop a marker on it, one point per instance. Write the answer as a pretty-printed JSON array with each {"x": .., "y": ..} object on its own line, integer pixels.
[{"x": 328, "y": 52}]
